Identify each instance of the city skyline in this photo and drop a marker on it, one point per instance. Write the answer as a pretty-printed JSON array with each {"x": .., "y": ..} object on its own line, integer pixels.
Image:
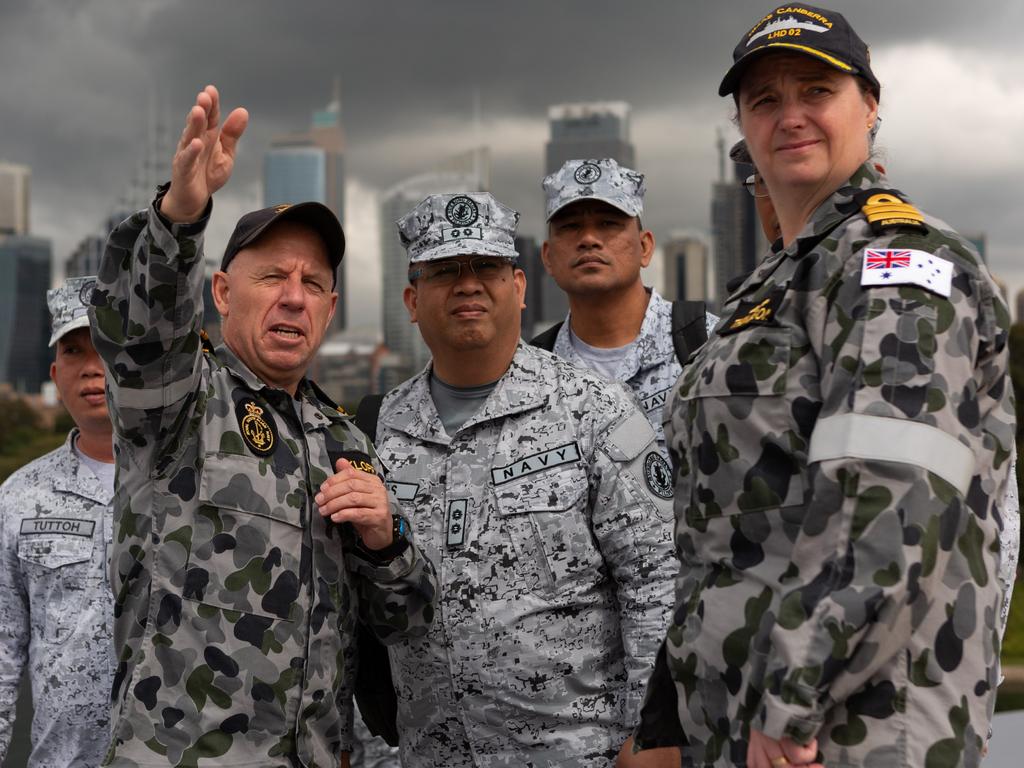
[{"x": 418, "y": 87}]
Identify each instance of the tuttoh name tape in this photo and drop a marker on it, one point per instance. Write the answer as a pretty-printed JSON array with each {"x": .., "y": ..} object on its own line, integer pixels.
[{"x": 38, "y": 526}]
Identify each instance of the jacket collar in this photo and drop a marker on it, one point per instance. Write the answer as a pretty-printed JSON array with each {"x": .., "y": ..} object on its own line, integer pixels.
[
  {"x": 653, "y": 345},
  {"x": 521, "y": 388},
  {"x": 70, "y": 475},
  {"x": 317, "y": 410},
  {"x": 839, "y": 207}
]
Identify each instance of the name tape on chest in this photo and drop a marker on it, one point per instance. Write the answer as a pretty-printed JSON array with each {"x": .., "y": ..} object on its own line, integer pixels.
[
  {"x": 754, "y": 312},
  {"x": 553, "y": 457},
  {"x": 403, "y": 491},
  {"x": 655, "y": 402},
  {"x": 65, "y": 526},
  {"x": 358, "y": 459},
  {"x": 892, "y": 266}
]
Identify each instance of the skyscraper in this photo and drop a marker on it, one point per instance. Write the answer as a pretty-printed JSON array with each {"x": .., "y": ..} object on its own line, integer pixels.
[
  {"x": 14, "y": 197},
  {"x": 24, "y": 318},
  {"x": 465, "y": 173},
  {"x": 309, "y": 165},
  {"x": 85, "y": 259},
  {"x": 687, "y": 267},
  {"x": 589, "y": 130},
  {"x": 530, "y": 262},
  {"x": 736, "y": 235}
]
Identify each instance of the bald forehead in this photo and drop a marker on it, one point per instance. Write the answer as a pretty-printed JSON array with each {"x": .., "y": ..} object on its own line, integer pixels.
[{"x": 288, "y": 241}]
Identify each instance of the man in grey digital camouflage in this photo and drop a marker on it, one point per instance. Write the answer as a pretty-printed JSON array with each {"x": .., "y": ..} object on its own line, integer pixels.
[
  {"x": 538, "y": 491},
  {"x": 251, "y": 524},
  {"x": 595, "y": 249},
  {"x": 55, "y": 530}
]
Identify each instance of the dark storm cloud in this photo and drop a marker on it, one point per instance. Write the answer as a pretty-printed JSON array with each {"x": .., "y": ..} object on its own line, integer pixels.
[{"x": 81, "y": 78}]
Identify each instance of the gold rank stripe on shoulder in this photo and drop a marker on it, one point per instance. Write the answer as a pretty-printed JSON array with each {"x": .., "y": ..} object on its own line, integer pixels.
[{"x": 887, "y": 210}]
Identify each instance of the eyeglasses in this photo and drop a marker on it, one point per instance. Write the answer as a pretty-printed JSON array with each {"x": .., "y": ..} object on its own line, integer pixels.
[
  {"x": 754, "y": 184},
  {"x": 448, "y": 272}
]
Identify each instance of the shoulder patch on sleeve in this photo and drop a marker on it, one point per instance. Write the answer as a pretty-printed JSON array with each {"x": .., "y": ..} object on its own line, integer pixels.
[
  {"x": 629, "y": 438},
  {"x": 658, "y": 475},
  {"x": 893, "y": 266},
  {"x": 887, "y": 209}
]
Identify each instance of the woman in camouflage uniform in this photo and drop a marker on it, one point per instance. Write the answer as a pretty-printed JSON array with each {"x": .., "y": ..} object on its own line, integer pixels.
[{"x": 841, "y": 443}]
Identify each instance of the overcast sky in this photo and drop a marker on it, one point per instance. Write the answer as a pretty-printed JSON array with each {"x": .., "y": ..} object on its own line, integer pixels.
[{"x": 80, "y": 76}]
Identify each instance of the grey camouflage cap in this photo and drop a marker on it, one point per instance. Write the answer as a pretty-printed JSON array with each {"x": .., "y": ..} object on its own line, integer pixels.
[
  {"x": 469, "y": 224},
  {"x": 603, "y": 179},
  {"x": 69, "y": 305}
]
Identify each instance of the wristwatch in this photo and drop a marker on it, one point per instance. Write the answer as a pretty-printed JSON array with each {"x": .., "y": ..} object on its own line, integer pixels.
[{"x": 399, "y": 543}]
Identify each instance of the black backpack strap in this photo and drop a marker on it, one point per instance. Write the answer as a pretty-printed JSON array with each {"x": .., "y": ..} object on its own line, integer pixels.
[
  {"x": 689, "y": 328},
  {"x": 546, "y": 339},
  {"x": 374, "y": 688},
  {"x": 366, "y": 415}
]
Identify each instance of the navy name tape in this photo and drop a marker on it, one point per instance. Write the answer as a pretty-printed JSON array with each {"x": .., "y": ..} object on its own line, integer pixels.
[
  {"x": 655, "y": 401},
  {"x": 38, "y": 526},
  {"x": 553, "y": 457}
]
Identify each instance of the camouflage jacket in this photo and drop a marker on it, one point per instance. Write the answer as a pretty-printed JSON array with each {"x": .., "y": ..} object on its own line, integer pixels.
[
  {"x": 235, "y": 601},
  {"x": 841, "y": 452},
  {"x": 55, "y": 607},
  {"x": 548, "y": 517},
  {"x": 651, "y": 368}
]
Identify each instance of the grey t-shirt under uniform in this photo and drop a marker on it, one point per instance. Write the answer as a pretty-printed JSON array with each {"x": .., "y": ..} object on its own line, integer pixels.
[
  {"x": 605, "y": 361},
  {"x": 455, "y": 405}
]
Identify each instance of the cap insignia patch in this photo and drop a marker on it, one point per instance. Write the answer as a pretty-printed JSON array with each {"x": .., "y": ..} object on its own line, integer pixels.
[
  {"x": 85, "y": 294},
  {"x": 587, "y": 173},
  {"x": 462, "y": 211}
]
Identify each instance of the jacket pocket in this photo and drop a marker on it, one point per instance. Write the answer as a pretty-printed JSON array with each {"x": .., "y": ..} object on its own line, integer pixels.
[
  {"x": 545, "y": 518},
  {"x": 62, "y": 564},
  {"x": 247, "y": 546}
]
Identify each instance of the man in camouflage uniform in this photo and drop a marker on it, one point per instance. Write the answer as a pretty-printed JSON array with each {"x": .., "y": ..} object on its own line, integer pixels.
[
  {"x": 538, "y": 491},
  {"x": 235, "y": 601},
  {"x": 842, "y": 445},
  {"x": 595, "y": 250},
  {"x": 55, "y": 530}
]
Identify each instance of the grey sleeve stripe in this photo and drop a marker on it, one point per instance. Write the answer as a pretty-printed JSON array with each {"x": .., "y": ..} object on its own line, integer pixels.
[
  {"x": 879, "y": 438},
  {"x": 144, "y": 399}
]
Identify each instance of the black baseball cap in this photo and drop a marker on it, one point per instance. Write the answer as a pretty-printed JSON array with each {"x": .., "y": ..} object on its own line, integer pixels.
[
  {"x": 805, "y": 29},
  {"x": 316, "y": 216}
]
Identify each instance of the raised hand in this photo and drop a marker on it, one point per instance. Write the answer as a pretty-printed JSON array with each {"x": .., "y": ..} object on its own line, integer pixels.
[{"x": 204, "y": 158}]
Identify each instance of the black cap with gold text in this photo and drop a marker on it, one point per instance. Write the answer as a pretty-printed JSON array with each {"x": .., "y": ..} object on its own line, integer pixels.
[
  {"x": 316, "y": 216},
  {"x": 816, "y": 32}
]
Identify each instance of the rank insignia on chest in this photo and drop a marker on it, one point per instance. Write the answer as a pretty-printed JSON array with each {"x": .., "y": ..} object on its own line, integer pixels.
[
  {"x": 256, "y": 424},
  {"x": 755, "y": 312}
]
